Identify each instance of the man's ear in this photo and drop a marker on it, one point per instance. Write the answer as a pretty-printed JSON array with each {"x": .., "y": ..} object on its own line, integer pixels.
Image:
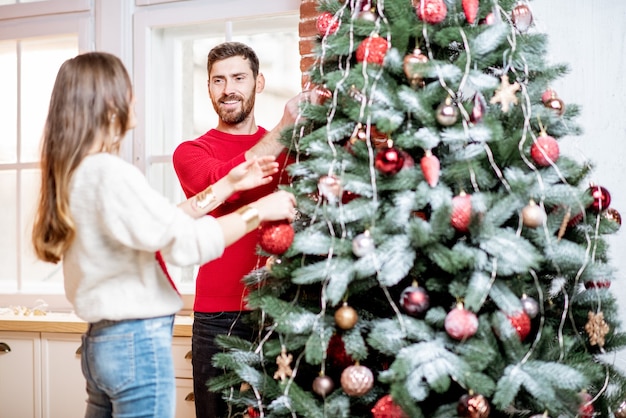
[{"x": 260, "y": 82}]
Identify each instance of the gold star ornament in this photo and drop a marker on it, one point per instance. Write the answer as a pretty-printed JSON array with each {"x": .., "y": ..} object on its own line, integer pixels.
[
  {"x": 284, "y": 369},
  {"x": 505, "y": 94}
]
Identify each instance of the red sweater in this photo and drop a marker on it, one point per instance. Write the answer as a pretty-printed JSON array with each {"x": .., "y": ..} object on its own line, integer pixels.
[{"x": 199, "y": 163}]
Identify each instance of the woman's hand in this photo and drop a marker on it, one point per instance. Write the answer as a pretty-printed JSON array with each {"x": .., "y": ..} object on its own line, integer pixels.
[
  {"x": 252, "y": 173},
  {"x": 276, "y": 206}
]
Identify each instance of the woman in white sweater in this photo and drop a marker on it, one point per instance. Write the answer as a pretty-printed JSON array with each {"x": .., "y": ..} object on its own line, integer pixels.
[{"x": 100, "y": 216}]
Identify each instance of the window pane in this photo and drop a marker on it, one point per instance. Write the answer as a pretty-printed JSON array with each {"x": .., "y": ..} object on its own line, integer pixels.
[
  {"x": 8, "y": 222},
  {"x": 8, "y": 99},
  {"x": 35, "y": 273},
  {"x": 41, "y": 59}
]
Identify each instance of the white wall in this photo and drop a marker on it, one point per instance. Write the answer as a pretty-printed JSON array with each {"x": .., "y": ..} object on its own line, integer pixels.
[{"x": 591, "y": 37}]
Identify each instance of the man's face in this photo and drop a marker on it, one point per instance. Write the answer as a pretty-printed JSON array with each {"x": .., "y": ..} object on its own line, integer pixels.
[{"x": 232, "y": 89}]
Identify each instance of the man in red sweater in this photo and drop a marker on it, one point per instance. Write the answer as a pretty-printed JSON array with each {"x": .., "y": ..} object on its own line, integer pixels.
[{"x": 219, "y": 307}]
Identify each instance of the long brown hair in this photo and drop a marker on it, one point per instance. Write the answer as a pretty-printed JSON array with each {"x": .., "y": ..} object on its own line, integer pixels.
[{"x": 90, "y": 104}]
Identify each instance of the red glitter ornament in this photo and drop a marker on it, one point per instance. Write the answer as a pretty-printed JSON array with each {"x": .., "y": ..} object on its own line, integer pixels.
[
  {"x": 326, "y": 24},
  {"x": 461, "y": 212},
  {"x": 372, "y": 50},
  {"x": 389, "y": 160},
  {"x": 601, "y": 198},
  {"x": 597, "y": 284},
  {"x": 276, "y": 237},
  {"x": 386, "y": 408},
  {"x": 460, "y": 323},
  {"x": 545, "y": 150},
  {"x": 336, "y": 353},
  {"x": 431, "y": 11},
  {"x": 521, "y": 322}
]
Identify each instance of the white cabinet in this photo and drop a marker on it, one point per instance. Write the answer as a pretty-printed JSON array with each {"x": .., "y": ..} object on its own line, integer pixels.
[
  {"x": 40, "y": 370},
  {"x": 181, "y": 351},
  {"x": 41, "y": 376},
  {"x": 20, "y": 374},
  {"x": 63, "y": 391}
]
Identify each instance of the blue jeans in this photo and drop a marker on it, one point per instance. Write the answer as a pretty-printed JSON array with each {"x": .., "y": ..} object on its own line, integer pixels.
[
  {"x": 206, "y": 326},
  {"x": 129, "y": 368}
]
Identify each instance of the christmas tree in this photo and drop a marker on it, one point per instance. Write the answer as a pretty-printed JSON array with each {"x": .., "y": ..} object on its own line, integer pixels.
[{"x": 448, "y": 259}]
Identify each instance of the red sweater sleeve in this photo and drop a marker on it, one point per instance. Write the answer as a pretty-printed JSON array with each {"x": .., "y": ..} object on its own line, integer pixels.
[{"x": 197, "y": 166}]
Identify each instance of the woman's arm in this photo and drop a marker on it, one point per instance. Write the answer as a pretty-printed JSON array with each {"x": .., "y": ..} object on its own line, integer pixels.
[{"x": 247, "y": 175}]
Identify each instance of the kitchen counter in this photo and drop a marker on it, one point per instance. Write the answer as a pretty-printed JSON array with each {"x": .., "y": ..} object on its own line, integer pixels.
[{"x": 70, "y": 323}]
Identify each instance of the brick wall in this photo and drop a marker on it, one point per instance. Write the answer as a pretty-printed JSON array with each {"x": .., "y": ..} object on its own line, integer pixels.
[{"x": 308, "y": 36}]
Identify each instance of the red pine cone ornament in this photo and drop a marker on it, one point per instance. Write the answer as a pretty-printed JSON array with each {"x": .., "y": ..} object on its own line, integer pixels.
[
  {"x": 276, "y": 237},
  {"x": 372, "y": 50},
  {"x": 430, "y": 167},
  {"x": 461, "y": 212},
  {"x": 545, "y": 150},
  {"x": 431, "y": 11},
  {"x": 386, "y": 408},
  {"x": 326, "y": 24},
  {"x": 470, "y": 8}
]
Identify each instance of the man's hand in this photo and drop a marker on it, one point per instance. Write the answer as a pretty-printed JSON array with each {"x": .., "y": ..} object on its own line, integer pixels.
[{"x": 270, "y": 144}]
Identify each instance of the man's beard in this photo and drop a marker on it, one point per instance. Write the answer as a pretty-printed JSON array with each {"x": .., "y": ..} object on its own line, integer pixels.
[{"x": 237, "y": 116}]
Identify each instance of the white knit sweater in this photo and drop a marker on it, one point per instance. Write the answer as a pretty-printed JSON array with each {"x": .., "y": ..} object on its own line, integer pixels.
[{"x": 110, "y": 270}]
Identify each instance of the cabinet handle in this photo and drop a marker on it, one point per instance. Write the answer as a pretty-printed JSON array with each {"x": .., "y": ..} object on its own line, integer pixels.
[
  {"x": 188, "y": 355},
  {"x": 79, "y": 350},
  {"x": 4, "y": 347},
  {"x": 190, "y": 397}
]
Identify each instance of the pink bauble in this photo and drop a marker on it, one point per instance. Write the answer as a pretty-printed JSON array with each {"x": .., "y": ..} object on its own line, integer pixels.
[{"x": 460, "y": 323}]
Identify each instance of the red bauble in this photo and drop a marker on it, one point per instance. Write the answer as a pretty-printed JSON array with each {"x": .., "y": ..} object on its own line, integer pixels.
[
  {"x": 460, "y": 323},
  {"x": 470, "y": 8},
  {"x": 414, "y": 299},
  {"x": 613, "y": 215},
  {"x": 430, "y": 167},
  {"x": 326, "y": 24},
  {"x": 253, "y": 413},
  {"x": 320, "y": 94},
  {"x": 389, "y": 160},
  {"x": 522, "y": 17},
  {"x": 276, "y": 237},
  {"x": 372, "y": 50},
  {"x": 521, "y": 322},
  {"x": 586, "y": 409},
  {"x": 601, "y": 198},
  {"x": 461, "y": 212},
  {"x": 336, "y": 353},
  {"x": 431, "y": 11},
  {"x": 548, "y": 95},
  {"x": 545, "y": 150},
  {"x": 597, "y": 284},
  {"x": 473, "y": 406},
  {"x": 386, "y": 408}
]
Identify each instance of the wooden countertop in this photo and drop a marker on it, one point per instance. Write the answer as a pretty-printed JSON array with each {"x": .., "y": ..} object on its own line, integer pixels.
[{"x": 70, "y": 323}]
